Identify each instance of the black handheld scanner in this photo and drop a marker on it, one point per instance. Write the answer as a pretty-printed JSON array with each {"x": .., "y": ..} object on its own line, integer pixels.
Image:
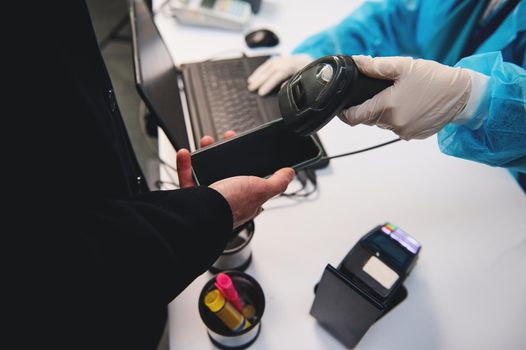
[{"x": 322, "y": 90}]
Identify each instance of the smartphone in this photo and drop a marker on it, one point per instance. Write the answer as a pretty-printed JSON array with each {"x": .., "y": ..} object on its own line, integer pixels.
[{"x": 259, "y": 152}]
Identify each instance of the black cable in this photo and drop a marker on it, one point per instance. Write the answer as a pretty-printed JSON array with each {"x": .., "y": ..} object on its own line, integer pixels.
[
  {"x": 301, "y": 175},
  {"x": 297, "y": 194},
  {"x": 304, "y": 176},
  {"x": 292, "y": 194},
  {"x": 361, "y": 150},
  {"x": 309, "y": 174}
]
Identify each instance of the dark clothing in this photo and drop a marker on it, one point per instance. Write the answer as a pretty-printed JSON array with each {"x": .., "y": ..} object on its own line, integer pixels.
[
  {"x": 522, "y": 181},
  {"x": 99, "y": 255}
]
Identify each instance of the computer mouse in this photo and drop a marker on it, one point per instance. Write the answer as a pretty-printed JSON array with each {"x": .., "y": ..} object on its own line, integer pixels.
[{"x": 261, "y": 38}]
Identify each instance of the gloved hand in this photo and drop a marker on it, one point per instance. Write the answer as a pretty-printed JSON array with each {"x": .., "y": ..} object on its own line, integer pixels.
[
  {"x": 425, "y": 96},
  {"x": 274, "y": 71}
]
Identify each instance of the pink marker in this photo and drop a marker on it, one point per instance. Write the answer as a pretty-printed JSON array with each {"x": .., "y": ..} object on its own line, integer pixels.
[{"x": 226, "y": 287}]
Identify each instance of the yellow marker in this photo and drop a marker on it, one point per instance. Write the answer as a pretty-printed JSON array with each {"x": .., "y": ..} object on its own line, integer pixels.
[
  {"x": 232, "y": 318},
  {"x": 249, "y": 311}
]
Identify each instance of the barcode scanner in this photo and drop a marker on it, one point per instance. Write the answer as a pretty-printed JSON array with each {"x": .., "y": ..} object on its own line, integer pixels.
[{"x": 322, "y": 90}]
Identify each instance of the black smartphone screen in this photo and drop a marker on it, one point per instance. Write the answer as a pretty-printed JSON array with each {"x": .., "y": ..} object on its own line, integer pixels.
[{"x": 260, "y": 153}]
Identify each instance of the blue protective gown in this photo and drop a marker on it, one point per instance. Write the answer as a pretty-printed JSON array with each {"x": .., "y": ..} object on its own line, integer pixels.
[{"x": 496, "y": 132}]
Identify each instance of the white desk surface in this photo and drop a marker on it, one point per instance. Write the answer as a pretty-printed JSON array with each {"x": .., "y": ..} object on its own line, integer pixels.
[{"x": 468, "y": 289}]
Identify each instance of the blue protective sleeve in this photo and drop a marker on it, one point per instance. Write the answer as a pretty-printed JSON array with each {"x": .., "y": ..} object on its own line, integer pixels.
[
  {"x": 496, "y": 133},
  {"x": 376, "y": 28}
]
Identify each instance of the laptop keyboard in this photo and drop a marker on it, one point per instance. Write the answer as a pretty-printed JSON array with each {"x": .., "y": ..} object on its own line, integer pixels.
[{"x": 232, "y": 106}]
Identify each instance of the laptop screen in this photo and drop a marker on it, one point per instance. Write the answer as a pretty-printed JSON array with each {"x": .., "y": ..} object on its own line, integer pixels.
[{"x": 156, "y": 76}]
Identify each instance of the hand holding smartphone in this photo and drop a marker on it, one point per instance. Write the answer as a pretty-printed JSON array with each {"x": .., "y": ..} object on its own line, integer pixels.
[{"x": 259, "y": 152}]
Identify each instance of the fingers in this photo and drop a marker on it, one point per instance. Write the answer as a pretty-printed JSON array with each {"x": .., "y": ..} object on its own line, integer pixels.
[
  {"x": 275, "y": 70},
  {"x": 269, "y": 76},
  {"x": 382, "y": 67},
  {"x": 279, "y": 181},
  {"x": 184, "y": 168},
  {"x": 260, "y": 74},
  {"x": 229, "y": 134},
  {"x": 269, "y": 84},
  {"x": 368, "y": 112},
  {"x": 379, "y": 109},
  {"x": 206, "y": 141}
]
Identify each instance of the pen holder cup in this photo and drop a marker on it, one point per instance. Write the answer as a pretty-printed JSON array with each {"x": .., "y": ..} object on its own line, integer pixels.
[
  {"x": 237, "y": 254},
  {"x": 253, "y": 300}
]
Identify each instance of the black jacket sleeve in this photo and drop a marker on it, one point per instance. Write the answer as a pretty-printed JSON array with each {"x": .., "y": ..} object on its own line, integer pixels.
[
  {"x": 151, "y": 246},
  {"x": 95, "y": 254},
  {"x": 100, "y": 274},
  {"x": 77, "y": 151}
]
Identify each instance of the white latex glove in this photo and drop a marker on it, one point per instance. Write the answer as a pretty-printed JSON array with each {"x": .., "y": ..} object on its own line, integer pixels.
[
  {"x": 425, "y": 96},
  {"x": 274, "y": 71}
]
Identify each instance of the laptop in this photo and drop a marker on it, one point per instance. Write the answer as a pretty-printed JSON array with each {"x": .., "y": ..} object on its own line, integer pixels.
[
  {"x": 200, "y": 98},
  {"x": 195, "y": 99}
]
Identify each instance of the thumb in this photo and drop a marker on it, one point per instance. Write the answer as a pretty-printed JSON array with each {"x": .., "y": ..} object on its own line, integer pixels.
[
  {"x": 184, "y": 168},
  {"x": 279, "y": 181},
  {"x": 381, "y": 67}
]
